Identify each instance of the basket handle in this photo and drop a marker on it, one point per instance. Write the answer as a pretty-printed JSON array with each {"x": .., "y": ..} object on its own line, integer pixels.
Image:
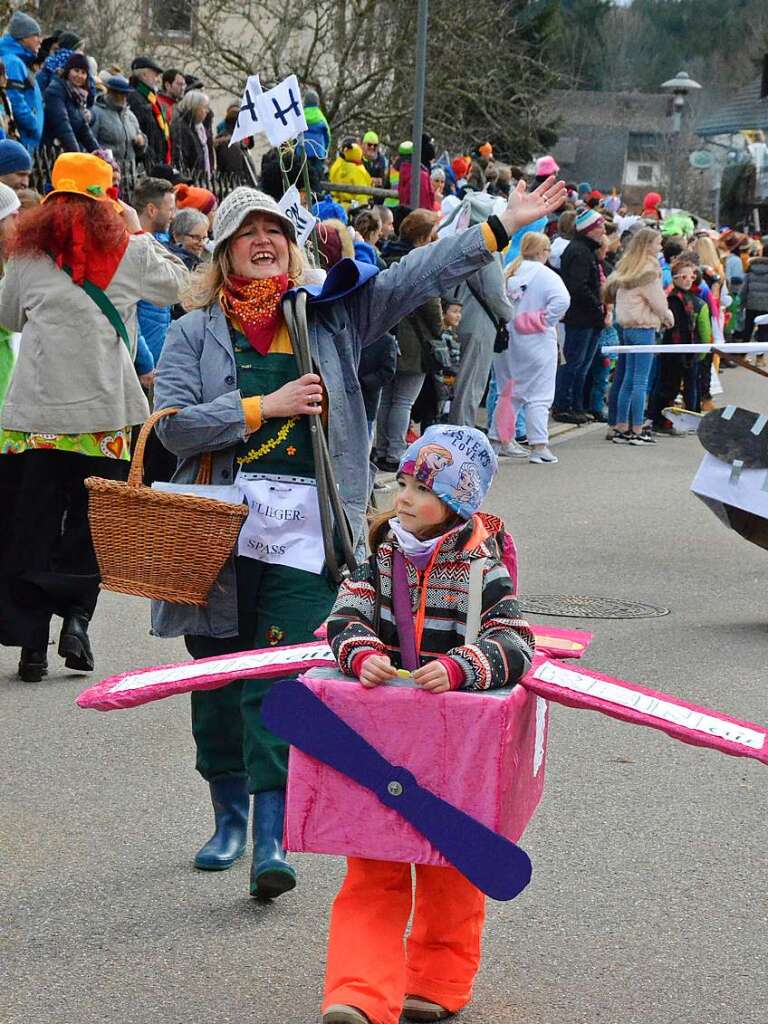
[{"x": 136, "y": 473}]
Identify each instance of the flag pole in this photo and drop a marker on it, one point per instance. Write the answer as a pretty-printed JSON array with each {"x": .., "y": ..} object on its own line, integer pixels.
[{"x": 418, "y": 110}]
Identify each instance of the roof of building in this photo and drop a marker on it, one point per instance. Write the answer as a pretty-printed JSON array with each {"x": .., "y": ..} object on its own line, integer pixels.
[
  {"x": 746, "y": 111},
  {"x": 596, "y": 155},
  {"x": 599, "y": 131},
  {"x": 635, "y": 111}
]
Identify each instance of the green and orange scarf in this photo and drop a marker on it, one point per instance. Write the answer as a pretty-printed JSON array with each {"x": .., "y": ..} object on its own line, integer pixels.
[{"x": 157, "y": 110}]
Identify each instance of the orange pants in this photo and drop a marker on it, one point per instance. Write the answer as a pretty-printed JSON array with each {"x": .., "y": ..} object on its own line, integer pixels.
[{"x": 370, "y": 966}]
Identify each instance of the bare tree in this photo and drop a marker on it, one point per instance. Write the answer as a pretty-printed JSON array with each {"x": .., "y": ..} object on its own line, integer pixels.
[
  {"x": 684, "y": 186},
  {"x": 107, "y": 25},
  {"x": 348, "y": 50},
  {"x": 486, "y": 74}
]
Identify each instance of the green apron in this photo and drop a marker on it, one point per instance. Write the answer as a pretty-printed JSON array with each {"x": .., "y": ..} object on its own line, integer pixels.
[{"x": 276, "y": 604}]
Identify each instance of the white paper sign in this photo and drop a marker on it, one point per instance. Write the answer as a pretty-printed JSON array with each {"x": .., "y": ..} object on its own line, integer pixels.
[
  {"x": 249, "y": 118},
  {"x": 538, "y": 745},
  {"x": 278, "y": 113},
  {"x": 302, "y": 219},
  {"x": 281, "y": 111},
  {"x": 283, "y": 524},
  {"x": 747, "y": 491}
]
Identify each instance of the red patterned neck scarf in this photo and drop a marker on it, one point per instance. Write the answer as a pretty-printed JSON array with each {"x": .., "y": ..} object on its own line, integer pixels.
[{"x": 255, "y": 304}]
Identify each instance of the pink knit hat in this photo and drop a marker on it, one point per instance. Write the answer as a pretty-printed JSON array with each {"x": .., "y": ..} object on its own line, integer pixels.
[{"x": 546, "y": 165}]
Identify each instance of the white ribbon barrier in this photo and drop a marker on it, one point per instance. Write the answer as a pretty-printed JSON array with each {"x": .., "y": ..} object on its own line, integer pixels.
[{"x": 745, "y": 348}]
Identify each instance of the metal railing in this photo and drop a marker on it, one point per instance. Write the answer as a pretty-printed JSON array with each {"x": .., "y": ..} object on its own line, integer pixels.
[
  {"x": 359, "y": 190},
  {"x": 220, "y": 182}
]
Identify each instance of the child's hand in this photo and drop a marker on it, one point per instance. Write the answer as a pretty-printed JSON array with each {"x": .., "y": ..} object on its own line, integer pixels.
[
  {"x": 432, "y": 677},
  {"x": 377, "y": 669}
]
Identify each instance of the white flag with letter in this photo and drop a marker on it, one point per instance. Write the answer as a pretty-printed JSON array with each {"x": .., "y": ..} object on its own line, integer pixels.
[
  {"x": 281, "y": 111},
  {"x": 302, "y": 219},
  {"x": 249, "y": 117}
]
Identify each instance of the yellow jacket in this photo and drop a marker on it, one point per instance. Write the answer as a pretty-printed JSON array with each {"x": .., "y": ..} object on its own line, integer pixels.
[{"x": 344, "y": 172}]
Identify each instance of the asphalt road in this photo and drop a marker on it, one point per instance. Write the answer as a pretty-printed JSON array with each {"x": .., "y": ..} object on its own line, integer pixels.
[{"x": 648, "y": 904}]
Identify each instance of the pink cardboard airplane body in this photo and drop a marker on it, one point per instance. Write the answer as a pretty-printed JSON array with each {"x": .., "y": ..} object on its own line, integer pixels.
[{"x": 483, "y": 752}]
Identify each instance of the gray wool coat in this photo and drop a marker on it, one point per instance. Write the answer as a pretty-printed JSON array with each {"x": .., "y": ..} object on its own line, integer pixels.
[
  {"x": 115, "y": 128},
  {"x": 477, "y": 333},
  {"x": 74, "y": 375},
  {"x": 197, "y": 372},
  {"x": 754, "y": 291}
]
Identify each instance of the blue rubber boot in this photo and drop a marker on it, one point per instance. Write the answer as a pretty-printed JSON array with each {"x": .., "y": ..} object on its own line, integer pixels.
[
  {"x": 231, "y": 802},
  {"x": 271, "y": 875}
]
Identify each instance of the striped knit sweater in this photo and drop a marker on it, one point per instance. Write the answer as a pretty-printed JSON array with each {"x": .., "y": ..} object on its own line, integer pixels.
[{"x": 503, "y": 649}]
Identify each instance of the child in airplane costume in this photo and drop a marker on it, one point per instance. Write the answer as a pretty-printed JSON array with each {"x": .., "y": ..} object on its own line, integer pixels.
[{"x": 410, "y": 608}]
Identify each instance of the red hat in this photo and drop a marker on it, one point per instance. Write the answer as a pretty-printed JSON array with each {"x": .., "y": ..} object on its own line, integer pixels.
[
  {"x": 461, "y": 166},
  {"x": 190, "y": 196},
  {"x": 651, "y": 201}
]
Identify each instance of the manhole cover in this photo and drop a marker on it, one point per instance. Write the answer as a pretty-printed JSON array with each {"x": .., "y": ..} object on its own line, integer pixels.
[{"x": 572, "y": 606}]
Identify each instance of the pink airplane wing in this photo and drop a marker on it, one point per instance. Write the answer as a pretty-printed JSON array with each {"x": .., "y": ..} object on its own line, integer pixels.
[{"x": 630, "y": 702}]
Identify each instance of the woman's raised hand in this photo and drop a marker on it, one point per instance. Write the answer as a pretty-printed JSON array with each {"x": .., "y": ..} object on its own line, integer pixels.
[
  {"x": 524, "y": 207},
  {"x": 302, "y": 397}
]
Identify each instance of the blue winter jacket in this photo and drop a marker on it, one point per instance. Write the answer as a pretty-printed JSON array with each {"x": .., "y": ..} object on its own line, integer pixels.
[
  {"x": 65, "y": 121},
  {"x": 317, "y": 137},
  {"x": 23, "y": 92},
  {"x": 143, "y": 361},
  {"x": 154, "y": 322},
  {"x": 365, "y": 253}
]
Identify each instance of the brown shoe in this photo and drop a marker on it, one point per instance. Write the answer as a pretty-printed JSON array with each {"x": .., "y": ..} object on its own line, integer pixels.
[
  {"x": 419, "y": 1009},
  {"x": 339, "y": 1014}
]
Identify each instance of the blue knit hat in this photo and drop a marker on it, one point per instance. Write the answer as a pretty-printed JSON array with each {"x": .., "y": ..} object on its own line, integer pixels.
[
  {"x": 13, "y": 157},
  {"x": 456, "y": 463}
]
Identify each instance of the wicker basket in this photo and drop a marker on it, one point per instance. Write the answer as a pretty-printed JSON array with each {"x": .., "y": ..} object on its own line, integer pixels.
[{"x": 156, "y": 544}]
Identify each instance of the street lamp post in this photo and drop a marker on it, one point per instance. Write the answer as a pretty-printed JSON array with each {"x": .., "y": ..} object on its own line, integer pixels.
[{"x": 679, "y": 86}]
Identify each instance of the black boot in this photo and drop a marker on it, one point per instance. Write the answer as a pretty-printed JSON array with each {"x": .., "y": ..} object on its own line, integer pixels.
[
  {"x": 231, "y": 803},
  {"x": 74, "y": 645},
  {"x": 33, "y": 664}
]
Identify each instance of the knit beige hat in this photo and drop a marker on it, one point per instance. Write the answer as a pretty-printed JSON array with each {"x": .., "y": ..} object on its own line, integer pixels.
[{"x": 238, "y": 205}]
